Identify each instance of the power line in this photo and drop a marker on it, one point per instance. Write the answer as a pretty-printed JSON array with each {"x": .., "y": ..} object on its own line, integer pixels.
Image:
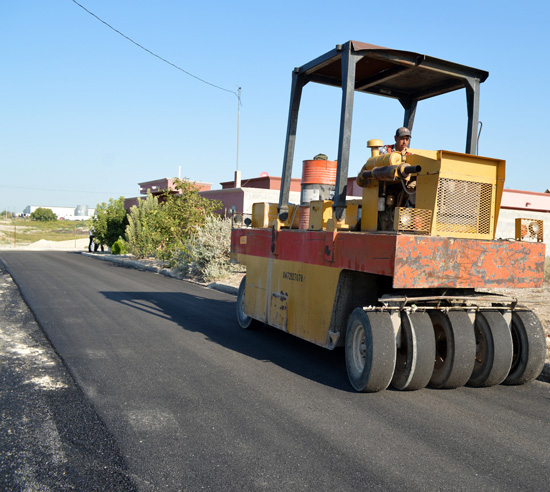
[{"x": 154, "y": 54}]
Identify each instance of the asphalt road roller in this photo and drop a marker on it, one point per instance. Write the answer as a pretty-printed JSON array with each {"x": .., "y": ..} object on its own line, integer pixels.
[{"x": 401, "y": 274}]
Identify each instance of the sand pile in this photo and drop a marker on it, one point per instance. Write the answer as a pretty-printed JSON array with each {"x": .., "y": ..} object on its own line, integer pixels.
[{"x": 44, "y": 245}]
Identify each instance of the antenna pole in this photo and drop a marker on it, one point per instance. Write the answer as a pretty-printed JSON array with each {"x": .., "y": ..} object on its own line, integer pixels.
[{"x": 238, "y": 124}]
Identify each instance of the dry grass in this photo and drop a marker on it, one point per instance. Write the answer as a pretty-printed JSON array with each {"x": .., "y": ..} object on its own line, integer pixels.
[
  {"x": 26, "y": 231},
  {"x": 547, "y": 270}
]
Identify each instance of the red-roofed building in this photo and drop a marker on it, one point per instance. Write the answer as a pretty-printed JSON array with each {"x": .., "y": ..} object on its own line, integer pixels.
[{"x": 239, "y": 195}]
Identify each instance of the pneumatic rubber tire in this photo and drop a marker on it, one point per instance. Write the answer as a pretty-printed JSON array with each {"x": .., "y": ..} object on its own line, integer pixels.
[
  {"x": 370, "y": 350},
  {"x": 529, "y": 348},
  {"x": 493, "y": 349},
  {"x": 455, "y": 349},
  {"x": 244, "y": 320},
  {"x": 416, "y": 352}
]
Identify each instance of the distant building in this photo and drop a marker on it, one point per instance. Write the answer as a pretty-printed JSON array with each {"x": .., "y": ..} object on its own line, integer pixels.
[
  {"x": 239, "y": 195},
  {"x": 157, "y": 187},
  {"x": 80, "y": 212},
  {"x": 234, "y": 198}
]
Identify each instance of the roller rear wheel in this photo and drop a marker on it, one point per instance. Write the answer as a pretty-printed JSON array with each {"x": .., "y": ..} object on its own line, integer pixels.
[
  {"x": 493, "y": 349},
  {"x": 416, "y": 352},
  {"x": 370, "y": 350},
  {"x": 455, "y": 349},
  {"x": 244, "y": 320},
  {"x": 529, "y": 348}
]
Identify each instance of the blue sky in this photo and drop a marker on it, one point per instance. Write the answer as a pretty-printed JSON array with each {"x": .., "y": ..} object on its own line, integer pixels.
[{"x": 86, "y": 115}]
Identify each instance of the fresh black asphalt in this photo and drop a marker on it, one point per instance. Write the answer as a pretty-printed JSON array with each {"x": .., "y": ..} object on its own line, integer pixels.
[{"x": 161, "y": 390}]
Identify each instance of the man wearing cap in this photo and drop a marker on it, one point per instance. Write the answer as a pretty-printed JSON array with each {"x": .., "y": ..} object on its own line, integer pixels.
[{"x": 402, "y": 139}]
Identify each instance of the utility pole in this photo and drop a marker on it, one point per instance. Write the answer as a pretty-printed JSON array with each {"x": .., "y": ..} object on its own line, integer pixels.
[
  {"x": 238, "y": 124},
  {"x": 237, "y": 172}
]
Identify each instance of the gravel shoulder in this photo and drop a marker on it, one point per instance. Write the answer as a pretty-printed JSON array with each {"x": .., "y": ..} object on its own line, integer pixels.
[{"x": 52, "y": 438}]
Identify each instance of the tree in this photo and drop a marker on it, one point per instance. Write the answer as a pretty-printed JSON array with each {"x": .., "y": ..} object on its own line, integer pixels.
[
  {"x": 181, "y": 215},
  {"x": 110, "y": 221},
  {"x": 43, "y": 214},
  {"x": 162, "y": 228},
  {"x": 140, "y": 232}
]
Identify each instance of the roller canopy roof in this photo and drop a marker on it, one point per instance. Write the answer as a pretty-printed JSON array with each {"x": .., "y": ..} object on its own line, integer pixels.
[
  {"x": 403, "y": 75},
  {"x": 392, "y": 73}
]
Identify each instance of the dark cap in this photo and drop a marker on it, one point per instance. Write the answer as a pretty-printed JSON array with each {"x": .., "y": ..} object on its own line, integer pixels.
[{"x": 402, "y": 132}]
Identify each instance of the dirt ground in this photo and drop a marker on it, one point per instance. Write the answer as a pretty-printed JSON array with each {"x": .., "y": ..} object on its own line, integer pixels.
[
  {"x": 24, "y": 234},
  {"x": 538, "y": 300}
]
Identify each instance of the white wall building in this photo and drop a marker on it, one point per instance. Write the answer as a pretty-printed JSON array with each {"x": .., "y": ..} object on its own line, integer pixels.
[{"x": 80, "y": 212}]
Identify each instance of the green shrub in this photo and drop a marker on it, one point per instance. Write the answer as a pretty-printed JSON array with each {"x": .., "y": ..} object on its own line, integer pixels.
[
  {"x": 43, "y": 214},
  {"x": 547, "y": 270},
  {"x": 119, "y": 247},
  {"x": 110, "y": 221},
  {"x": 207, "y": 253},
  {"x": 162, "y": 228},
  {"x": 141, "y": 237}
]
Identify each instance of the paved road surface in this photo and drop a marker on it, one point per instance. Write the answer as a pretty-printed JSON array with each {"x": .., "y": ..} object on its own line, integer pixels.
[{"x": 195, "y": 403}]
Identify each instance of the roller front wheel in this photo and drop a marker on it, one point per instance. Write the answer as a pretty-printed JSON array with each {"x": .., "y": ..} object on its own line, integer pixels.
[{"x": 370, "y": 350}]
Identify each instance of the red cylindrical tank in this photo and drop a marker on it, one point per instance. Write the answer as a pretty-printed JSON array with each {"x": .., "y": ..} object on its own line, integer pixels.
[{"x": 318, "y": 183}]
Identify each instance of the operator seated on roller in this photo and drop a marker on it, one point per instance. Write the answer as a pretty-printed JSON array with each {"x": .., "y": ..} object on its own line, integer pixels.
[
  {"x": 391, "y": 173},
  {"x": 402, "y": 138}
]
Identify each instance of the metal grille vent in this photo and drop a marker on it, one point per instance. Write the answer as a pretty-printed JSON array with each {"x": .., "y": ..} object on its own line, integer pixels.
[
  {"x": 415, "y": 220},
  {"x": 464, "y": 207}
]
